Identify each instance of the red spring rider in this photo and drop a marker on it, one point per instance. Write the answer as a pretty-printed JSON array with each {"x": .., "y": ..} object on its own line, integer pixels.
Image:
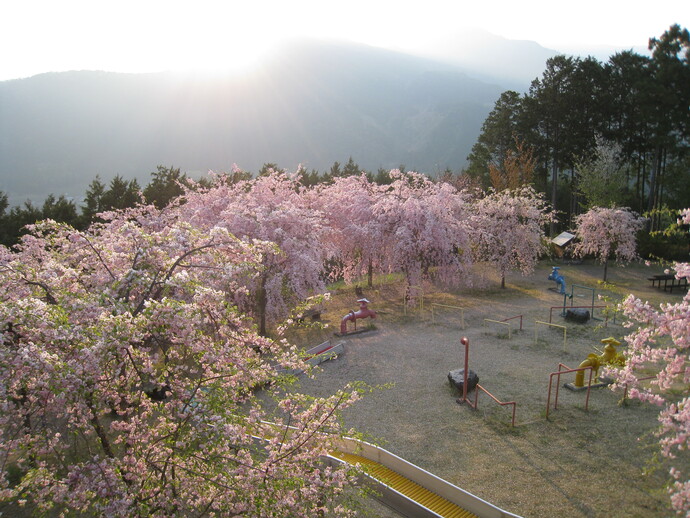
[{"x": 364, "y": 312}]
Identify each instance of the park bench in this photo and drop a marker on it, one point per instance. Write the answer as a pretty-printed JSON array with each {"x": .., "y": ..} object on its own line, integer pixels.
[{"x": 670, "y": 282}]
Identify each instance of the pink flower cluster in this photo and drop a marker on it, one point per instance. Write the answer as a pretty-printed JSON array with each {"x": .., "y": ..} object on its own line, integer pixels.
[
  {"x": 659, "y": 342},
  {"x": 608, "y": 233},
  {"x": 127, "y": 377},
  {"x": 131, "y": 351},
  {"x": 508, "y": 229}
]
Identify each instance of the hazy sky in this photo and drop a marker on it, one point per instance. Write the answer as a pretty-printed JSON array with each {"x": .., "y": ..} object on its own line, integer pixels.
[{"x": 150, "y": 35}]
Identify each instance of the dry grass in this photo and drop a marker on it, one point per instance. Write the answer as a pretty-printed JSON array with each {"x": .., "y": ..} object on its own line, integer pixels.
[{"x": 578, "y": 463}]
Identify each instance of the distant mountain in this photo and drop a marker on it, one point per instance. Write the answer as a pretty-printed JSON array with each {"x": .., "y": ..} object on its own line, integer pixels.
[
  {"x": 309, "y": 103},
  {"x": 512, "y": 63}
]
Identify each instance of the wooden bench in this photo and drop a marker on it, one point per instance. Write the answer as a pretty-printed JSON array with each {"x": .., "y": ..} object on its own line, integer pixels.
[{"x": 670, "y": 281}]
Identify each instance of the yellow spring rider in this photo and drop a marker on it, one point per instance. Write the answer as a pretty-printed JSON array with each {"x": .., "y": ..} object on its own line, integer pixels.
[{"x": 609, "y": 357}]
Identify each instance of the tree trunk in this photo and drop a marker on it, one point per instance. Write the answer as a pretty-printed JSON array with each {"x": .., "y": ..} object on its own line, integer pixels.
[
  {"x": 606, "y": 268},
  {"x": 503, "y": 281},
  {"x": 261, "y": 306},
  {"x": 574, "y": 198},
  {"x": 639, "y": 187},
  {"x": 653, "y": 179},
  {"x": 98, "y": 428},
  {"x": 370, "y": 274},
  {"x": 554, "y": 185}
]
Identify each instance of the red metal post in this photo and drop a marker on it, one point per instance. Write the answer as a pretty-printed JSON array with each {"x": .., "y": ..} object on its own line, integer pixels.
[
  {"x": 464, "y": 341},
  {"x": 558, "y": 383},
  {"x": 479, "y": 388},
  {"x": 513, "y": 318}
]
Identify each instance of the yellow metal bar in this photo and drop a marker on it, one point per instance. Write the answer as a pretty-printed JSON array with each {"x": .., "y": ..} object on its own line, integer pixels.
[
  {"x": 462, "y": 312},
  {"x": 501, "y": 323},
  {"x": 565, "y": 330}
]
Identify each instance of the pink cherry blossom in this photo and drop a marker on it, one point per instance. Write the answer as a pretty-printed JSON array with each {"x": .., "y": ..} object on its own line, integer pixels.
[
  {"x": 508, "y": 229},
  {"x": 425, "y": 229},
  {"x": 128, "y": 376},
  {"x": 608, "y": 234},
  {"x": 659, "y": 342},
  {"x": 272, "y": 213},
  {"x": 356, "y": 238}
]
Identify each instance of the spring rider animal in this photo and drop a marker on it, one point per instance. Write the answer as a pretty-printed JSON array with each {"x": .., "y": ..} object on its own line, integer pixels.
[
  {"x": 609, "y": 357},
  {"x": 364, "y": 312},
  {"x": 555, "y": 275}
]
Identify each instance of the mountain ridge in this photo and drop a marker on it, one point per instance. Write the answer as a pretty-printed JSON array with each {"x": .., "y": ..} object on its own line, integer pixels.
[{"x": 310, "y": 103}]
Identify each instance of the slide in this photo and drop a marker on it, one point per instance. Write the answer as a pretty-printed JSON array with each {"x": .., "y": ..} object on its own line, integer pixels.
[{"x": 409, "y": 489}]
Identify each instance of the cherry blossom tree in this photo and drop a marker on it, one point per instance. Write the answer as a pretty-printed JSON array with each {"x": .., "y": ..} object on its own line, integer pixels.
[
  {"x": 607, "y": 233},
  {"x": 425, "y": 230},
  {"x": 660, "y": 342},
  {"x": 508, "y": 229},
  {"x": 270, "y": 208},
  {"x": 356, "y": 236},
  {"x": 126, "y": 374}
]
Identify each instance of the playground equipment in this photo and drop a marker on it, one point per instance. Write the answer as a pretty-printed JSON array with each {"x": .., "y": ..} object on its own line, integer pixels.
[
  {"x": 364, "y": 312},
  {"x": 459, "y": 309},
  {"x": 324, "y": 351},
  {"x": 465, "y": 388},
  {"x": 556, "y": 275},
  {"x": 563, "y": 312},
  {"x": 572, "y": 297},
  {"x": 591, "y": 364},
  {"x": 401, "y": 485},
  {"x": 537, "y": 323},
  {"x": 591, "y": 306},
  {"x": 409, "y": 489},
  {"x": 506, "y": 325},
  {"x": 564, "y": 369},
  {"x": 609, "y": 357}
]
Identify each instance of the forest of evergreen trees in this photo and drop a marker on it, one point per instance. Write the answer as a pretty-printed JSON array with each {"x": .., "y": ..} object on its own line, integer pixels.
[{"x": 629, "y": 116}]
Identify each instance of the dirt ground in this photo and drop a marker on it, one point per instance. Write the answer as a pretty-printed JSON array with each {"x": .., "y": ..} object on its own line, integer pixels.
[{"x": 595, "y": 462}]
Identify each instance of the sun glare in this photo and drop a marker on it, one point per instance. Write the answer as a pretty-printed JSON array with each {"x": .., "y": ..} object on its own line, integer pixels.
[
  {"x": 232, "y": 36},
  {"x": 217, "y": 42},
  {"x": 219, "y": 57}
]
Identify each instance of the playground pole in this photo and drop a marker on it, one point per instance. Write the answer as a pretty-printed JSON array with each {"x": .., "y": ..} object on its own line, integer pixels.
[{"x": 464, "y": 341}]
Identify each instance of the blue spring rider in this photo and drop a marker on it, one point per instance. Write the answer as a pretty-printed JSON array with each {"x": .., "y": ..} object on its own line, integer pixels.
[{"x": 555, "y": 275}]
